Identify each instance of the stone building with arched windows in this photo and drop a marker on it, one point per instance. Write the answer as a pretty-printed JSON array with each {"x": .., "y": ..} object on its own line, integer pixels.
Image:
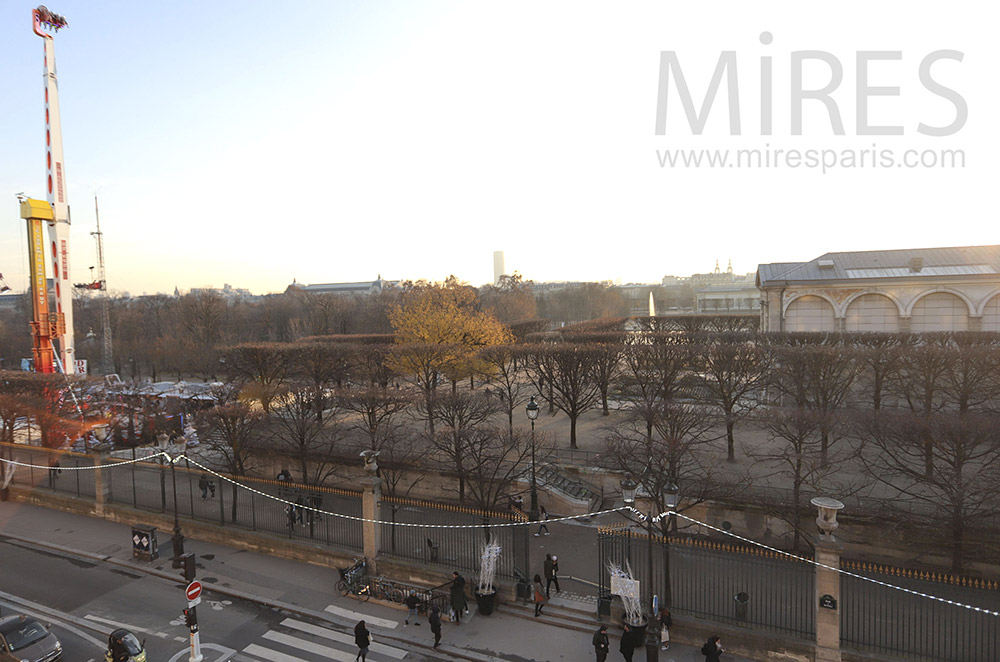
[{"x": 915, "y": 290}]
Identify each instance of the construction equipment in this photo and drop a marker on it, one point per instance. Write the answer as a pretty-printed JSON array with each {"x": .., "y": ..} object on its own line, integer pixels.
[
  {"x": 101, "y": 284},
  {"x": 47, "y": 327}
]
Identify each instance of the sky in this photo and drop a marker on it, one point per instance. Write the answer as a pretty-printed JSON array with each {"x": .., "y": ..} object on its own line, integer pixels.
[{"x": 249, "y": 144}]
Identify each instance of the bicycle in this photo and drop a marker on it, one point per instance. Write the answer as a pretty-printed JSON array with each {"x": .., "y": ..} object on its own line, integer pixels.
[{"x": 353, "y": 580}]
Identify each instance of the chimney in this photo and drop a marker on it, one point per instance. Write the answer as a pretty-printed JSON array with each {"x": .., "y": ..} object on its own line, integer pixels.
[{"x": 916, "y": 264}]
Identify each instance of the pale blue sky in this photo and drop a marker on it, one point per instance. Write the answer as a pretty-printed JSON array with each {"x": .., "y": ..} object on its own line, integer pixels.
[{"x": 242, "y": 143}]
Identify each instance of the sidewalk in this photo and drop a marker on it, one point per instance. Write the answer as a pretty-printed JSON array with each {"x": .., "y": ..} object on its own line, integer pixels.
[{"x": 308, "y": 589}]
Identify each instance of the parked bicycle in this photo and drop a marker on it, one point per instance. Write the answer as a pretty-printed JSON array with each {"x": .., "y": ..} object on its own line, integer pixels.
[{"x": 354, "y": 580}]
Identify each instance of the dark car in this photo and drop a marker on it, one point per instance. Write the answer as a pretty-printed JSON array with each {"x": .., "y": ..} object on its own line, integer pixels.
[{"x": 23, "y": 639}]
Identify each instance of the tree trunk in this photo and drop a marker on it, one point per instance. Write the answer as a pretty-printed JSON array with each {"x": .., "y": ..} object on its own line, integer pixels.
[
  {"x": 957, "y": 543},
  {"x": 572, "y": 431},
  {"x": 730, "y": 440}
]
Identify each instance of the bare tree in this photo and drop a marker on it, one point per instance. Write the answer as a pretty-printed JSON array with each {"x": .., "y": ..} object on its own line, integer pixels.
[
  {"x": 734, "y": 371},
  {"x": 231, "y": 437},
  {"x": 922, "y": 381},
  {"x": 653, "y": 369},
  {"x": 377, "y": 411},
  {"x": 496, "y": 458},
  {"x": 306, "y": 437},
  {"x": 881, "y": 357},
  {"x": 568, "y": 371},
  {"x": 458, "y": 414},
  {"x": 262, "y": 366},
  {"x": 674, "y": 453},
  {"x": 794, "y": 458},
  {"x": 506, "y": 375},
  {"x": 964, "y": 487}
]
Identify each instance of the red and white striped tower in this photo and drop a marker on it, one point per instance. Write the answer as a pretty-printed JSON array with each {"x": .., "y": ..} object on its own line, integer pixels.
[{"x": 56, "y": 191}]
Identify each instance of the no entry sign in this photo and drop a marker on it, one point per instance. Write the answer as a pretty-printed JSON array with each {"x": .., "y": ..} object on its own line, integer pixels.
[{"x": 193, "y": 593}]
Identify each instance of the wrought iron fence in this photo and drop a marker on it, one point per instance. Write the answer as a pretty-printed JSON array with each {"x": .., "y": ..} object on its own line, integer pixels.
[
  {"x": 884, "y": 620},
  {"x": 717, "y": 582},
  {"x": 150, "y": 486},
  {"x": 450, "y": 548},
  {"x": 60, "y": 475}
]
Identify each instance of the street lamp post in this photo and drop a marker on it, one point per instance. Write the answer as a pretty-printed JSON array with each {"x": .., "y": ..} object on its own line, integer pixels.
[
  {"x": 177, "y": 539},
  {"x": 532, "y": 410},
  {"x": 670, "y": 492}
]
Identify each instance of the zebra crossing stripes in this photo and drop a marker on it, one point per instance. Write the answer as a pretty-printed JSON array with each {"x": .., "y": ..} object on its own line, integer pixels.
[
  {"x": 305, "y": 648},
  {"x": 376, "y": 647},
  {"x": 358, "y": 616}
]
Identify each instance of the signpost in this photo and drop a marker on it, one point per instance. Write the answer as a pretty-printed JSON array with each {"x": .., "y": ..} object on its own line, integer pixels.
[{"x": 193, "y": 595}]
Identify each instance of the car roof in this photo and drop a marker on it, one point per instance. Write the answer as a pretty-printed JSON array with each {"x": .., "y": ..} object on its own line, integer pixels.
[{"x": 8, "y": 623}]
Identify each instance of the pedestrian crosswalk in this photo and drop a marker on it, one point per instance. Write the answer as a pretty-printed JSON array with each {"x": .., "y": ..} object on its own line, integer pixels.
[{"x": 294, "y": 640}]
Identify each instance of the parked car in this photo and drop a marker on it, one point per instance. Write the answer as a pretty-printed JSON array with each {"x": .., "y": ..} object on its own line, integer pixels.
[{"x": 23, "y": 639}]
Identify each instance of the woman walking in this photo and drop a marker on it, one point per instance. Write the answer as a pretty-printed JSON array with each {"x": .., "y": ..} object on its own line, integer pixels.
[
  {"x": 665, "y": 623},
  {"x": 363, "y": 638},
  {"x": 539, "y": 595}
]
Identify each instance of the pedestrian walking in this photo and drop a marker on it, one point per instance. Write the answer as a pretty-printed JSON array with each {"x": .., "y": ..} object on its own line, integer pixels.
[
  {"x": 551, "y": 566},
  {"x": 299, "y": 503},
  {"x": 458, "y": 601},
  {"x": 543, "y": 517},
  {"x": 435, "y": 621},
  {"x": 665, "y": 624},
  {"x": 539, "y": 596},
  {"x": 211, "y": 489},
  {"x": 363, "y": 638},
  {"x": 203, "y": 485},
  {"x": 713, "y": 650},
  {"x": 411, "y": 602},
  {"x": 601, "y": 643},
  {"x": 284, "y": 475},
  {"x": 627, "y": 646},
  {"x": 290, "y": 511}
]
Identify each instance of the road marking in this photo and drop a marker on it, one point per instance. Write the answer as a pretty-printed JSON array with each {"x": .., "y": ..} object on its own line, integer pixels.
[
  {"x": 225, "y": 653},
  {"x": 358, "y": 616},
  {"x": 310, "y": 647},
  {"x": 270, "y": 655},
  {"x": 341, "y": 637},
  {"x": 43, "y": 613},
  {"x": 125, "y": 626}
]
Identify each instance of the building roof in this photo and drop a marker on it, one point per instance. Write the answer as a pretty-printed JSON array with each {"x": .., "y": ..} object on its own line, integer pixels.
[{"x": 905, "y": 263}]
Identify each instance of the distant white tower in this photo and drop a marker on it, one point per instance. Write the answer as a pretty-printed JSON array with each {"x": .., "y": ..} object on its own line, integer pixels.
[
  {"x": 498, "y": 268},
  {"x": 652, "y": 305}
]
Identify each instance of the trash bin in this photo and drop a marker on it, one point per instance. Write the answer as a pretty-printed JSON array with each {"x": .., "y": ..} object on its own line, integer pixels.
[
  {"x": 144, "y": 547},
  {"x": 524, "y": 589},
  {"x": 741, "y": 598},
  {"x": 604, "y": 605}
]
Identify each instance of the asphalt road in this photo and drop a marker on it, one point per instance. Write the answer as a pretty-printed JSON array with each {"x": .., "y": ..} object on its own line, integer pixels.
[{"x": 84, "y": 601}]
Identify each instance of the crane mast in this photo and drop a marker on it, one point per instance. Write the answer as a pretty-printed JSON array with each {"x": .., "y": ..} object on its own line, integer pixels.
[
  {"x": 56, "y": 195},
  {"x": 107, "y": 362}
]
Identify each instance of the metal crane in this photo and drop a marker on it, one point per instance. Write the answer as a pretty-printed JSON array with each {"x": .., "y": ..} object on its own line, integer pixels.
[{"x": 101, "y": 284}]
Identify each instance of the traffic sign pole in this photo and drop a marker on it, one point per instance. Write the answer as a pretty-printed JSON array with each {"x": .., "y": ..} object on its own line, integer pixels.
[{"x": 193, "y": 595}]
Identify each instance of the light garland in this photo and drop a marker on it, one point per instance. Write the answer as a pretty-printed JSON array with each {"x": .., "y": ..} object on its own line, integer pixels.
[
  {"x": 642, "y": 516},
  {"x": 848, "y": 573}
]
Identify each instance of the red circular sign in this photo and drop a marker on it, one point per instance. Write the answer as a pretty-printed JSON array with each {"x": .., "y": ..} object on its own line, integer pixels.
[{"x": 193, "y": 590}]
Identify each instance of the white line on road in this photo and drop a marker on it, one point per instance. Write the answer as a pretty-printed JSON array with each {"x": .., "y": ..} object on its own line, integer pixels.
[
  {"x": 126, "y": 626},
  {"x": 310, "y": 647},
  {"x": 270, "y": 655},
  {"x": 343, "y": 638},
  {"x": 358, "y": 616},
  {"x": 44, "y": 613}
]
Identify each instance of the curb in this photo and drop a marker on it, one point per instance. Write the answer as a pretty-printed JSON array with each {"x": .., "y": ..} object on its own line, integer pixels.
[{"x": 228, "y": 592}]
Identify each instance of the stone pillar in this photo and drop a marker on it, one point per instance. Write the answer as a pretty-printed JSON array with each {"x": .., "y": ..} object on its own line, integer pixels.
[
  {"x": 102, "y": 488},
  {"x": 827, "y": 596},
  {"x": 904, "y": 324},
  {"x": 371, "y": 495},
  {"x": 975, "y": 323},
  {"x": 369, "y": 510},
  {"x": 827, "y": 602},
  {"x": 840, "y": 324}
]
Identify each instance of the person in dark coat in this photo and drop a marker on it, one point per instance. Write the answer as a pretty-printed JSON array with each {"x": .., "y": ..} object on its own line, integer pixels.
[
  {"x": 627, "y": 645},
  {"x": 203, "y": 485},
  {"x": 458, "y": 601},
  {"x": 363, "y": 638},
  {"x": 601, "y": 643},
  {"x": 435, "y": 621},
  {"x": 712, "y": 650}
]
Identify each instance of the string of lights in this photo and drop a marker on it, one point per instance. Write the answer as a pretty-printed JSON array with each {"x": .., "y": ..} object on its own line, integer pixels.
[
  {"x": 848, "y": 573},
  {"x": 642, "y": 516}
]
